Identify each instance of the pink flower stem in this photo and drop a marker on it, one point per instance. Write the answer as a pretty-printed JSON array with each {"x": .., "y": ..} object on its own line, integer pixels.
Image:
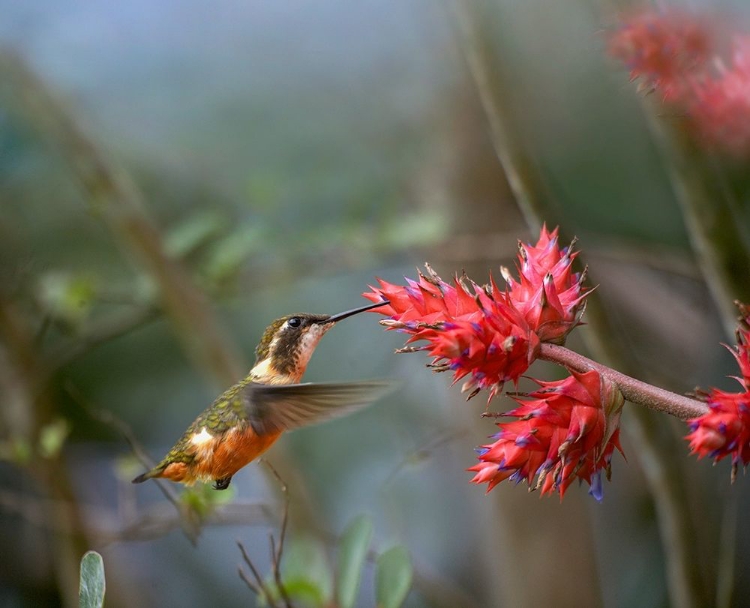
[{"x": 633, "y": 390}]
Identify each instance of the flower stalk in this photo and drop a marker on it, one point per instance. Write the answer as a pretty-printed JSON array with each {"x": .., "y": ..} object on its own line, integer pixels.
[
  {"x": 634, "y": 391},
  {"x": 567, "y": 430}
]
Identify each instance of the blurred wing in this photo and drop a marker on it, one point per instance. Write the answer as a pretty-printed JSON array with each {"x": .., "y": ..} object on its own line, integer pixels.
[{"x": 284, "y": 407}]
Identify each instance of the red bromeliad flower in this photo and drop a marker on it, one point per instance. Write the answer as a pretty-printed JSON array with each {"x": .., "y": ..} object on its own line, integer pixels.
[
  {"x": 550, "y": 296},
  {"x": 471, "y": 330},
  {"x": 720, "y": 110},
  {"x": 662, "y": 48},
  {"x": 672, "y": 52},
  {"x": 480, "y": 331},
  {"x": 565, "y": 431},
  {"x": 725, "y": 428}
]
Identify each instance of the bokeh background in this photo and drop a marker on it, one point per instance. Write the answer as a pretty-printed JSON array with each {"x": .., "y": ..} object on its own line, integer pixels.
[{"x": 283, "y": 155}]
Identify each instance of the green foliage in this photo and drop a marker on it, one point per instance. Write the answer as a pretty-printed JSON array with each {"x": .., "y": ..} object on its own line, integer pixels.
[
  {"x": 21, "y": 451},
  {"x": 393, "y": 577},
  {"x": 202, "y": 499},
  {"x": 225, "y": 259},
  {"x": 17, "y": 450},
  {"x": 194, "y": 232},
  {"x": 307, "y": 575},
  {"x": 92, "y": 584},
  {"x": 352, "y": 554},
  {"x": 415, "y": 230},
  {"x": 66, "y": 296},
  {"x": 52, "y": 437}
]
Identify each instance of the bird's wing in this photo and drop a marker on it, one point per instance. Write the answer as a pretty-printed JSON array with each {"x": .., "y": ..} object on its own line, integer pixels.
[{"x": 283, "y": 407}]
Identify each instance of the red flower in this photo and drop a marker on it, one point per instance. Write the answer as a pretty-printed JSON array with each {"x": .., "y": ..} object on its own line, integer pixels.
[
  {"x": 720, "y": 110},
  {"x": 482, "y": 332},
  {"x": 550, "y": 296},
  {"x": 567, "y": 430},
  {"x": 725, "y": 428},
  {"x": 470, "y": 330},
  {"x": 662, "y": 48},
  {"x": 672, "y": 52}
]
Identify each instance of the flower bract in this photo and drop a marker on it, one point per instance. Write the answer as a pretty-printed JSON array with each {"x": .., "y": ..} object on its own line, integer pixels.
[{"x": 563, "y": 432}]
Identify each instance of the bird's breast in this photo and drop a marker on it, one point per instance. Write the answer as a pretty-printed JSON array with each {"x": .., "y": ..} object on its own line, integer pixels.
[{"x": 225, "y": 455}]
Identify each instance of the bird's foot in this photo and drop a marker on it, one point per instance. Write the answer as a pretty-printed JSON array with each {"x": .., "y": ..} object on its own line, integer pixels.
[{"x": 223, "y": 483}]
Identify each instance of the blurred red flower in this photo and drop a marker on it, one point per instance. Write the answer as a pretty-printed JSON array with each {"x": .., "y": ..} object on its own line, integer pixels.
[
  {"x": 720, "y": 109},
  {"x": 672, "y": 52},
  {"x": 566, "y": 430},
  {"x": 662, "y": 48}
]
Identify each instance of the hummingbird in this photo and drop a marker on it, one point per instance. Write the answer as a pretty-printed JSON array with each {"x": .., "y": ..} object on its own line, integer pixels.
[{"x": 248, "y": 418}]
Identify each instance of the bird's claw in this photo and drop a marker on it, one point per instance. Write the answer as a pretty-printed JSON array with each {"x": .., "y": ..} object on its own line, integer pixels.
[{"x": 223, "y": 483}]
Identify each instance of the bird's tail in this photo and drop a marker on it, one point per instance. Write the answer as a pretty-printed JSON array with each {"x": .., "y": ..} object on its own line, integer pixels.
[{"x": 148, "y": 475}]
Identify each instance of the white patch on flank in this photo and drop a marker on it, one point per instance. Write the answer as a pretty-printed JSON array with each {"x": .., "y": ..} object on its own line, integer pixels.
[
  {"x": 200, "y": 439},
  {"x": 262, "y": 370}
]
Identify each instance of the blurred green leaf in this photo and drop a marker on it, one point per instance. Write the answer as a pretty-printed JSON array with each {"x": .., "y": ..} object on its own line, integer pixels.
[
  {"x": 393, "y": 577},
  {"x": 202, "y": 498},
  {"x": 127, "y": 466},
  {"x": 306, "y": 574},
  {"x": 67, "y": 297},
  {"x": 92, "y": 585},
  {"x": 52, "y": 437},
  {"x": 228, "y": 255},
  {"x": 16, "y": 450},
  {"x": 263, "y": 191},
  {"x": 195, "y": 231},
  {"x": 417, "y": 229},
  {"x": 352, "y": 554}
]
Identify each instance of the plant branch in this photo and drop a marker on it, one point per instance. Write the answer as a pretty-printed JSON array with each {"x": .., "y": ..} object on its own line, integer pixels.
[
  {"x": 99, "y": 332},
  {"x": 113, "y": 195},
  {"x": 276, "y": 552},
  {"x": 633, "y": 390},
  {"x": 532, "y": 197},
  {"x": 259, "y": 587},
  {"x": 519, "y": 169},
  {"x": 108, "y": 418}
]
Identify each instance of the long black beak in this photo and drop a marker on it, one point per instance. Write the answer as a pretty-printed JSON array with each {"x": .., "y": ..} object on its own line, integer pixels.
[{"x": 349, "y": 313}]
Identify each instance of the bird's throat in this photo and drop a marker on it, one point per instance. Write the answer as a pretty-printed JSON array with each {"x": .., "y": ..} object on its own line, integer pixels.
[{"x": 264, "y": 372}]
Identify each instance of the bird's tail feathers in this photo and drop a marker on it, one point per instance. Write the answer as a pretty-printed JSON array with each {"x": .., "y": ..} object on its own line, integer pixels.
[{"x": 147, "y": 475}]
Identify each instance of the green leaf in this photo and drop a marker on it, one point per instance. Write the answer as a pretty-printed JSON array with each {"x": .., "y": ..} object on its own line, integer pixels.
[
  {"x": 227, "y": 256},
  {"x": 91, "y": 591},
  {"x": 194, "y": 232},
  {"x": 203, "y": 499},
  {"x": 16, "y": 450},
  {"x": 52, "y": 437},
  {"x": 305, "y": 572},
  {"x": 352, "y": 554},
  {"x": 264, "y": 191},
  {"x": 66, "y": 296},
  {"x": 417, "y": 229},
  {"x": 393, "y": 576}
]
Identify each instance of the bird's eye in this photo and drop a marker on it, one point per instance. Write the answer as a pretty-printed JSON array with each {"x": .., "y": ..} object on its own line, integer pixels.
[{"x": 294, "y": 322}]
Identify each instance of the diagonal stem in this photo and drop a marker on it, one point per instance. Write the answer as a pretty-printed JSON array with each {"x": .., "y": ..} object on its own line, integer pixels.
[{"x": 633, "y": 390}]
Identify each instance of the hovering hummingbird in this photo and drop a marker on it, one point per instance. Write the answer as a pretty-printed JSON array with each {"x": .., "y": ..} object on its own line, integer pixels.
[{"x": 249, "y": 417}]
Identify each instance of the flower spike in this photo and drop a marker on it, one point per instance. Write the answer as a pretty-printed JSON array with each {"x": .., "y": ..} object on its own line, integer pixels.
[
  {"x": 725, "y": 429},
  {"x": 564, "y": 431},
  {"x": 483, "y": 333}
]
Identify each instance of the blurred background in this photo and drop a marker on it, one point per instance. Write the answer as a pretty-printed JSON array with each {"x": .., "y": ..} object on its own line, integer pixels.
[{"x": 175, "y": 175}]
